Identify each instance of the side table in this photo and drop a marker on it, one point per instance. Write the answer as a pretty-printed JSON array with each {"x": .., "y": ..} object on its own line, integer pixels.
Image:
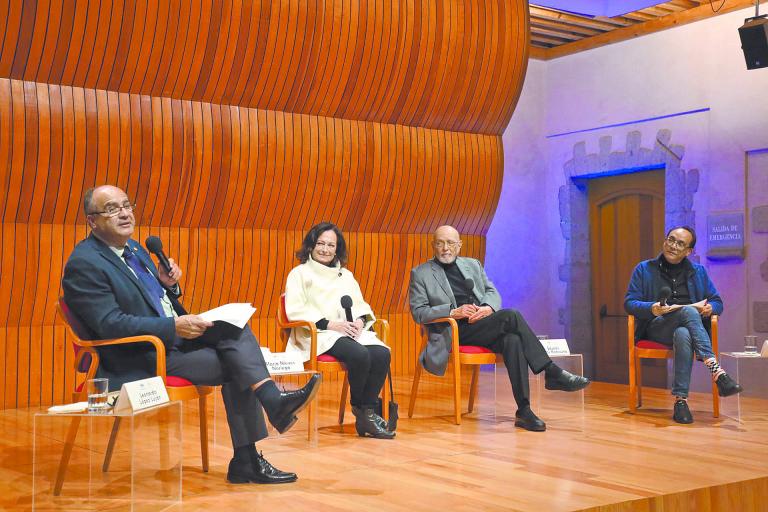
[{"x": 142, "y": 471}]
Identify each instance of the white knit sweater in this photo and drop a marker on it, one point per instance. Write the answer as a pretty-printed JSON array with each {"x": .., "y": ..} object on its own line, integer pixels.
[{"x": 313, "y": 291}]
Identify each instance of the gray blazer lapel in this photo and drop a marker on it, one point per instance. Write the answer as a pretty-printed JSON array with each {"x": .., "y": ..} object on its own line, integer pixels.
[{"x": 442, "y": 280}]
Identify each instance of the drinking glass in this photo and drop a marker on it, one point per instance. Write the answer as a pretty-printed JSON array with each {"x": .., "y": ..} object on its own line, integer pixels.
[
  {"x": 97, "y": 396},
  {"x": 750, "y": 344}
]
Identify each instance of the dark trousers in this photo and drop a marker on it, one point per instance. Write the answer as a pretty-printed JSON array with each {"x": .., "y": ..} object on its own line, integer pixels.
[
  {"x": 367, "y": 367},
  {"x": 230, "y": 357},
  {"x": 507, "y": 333}
]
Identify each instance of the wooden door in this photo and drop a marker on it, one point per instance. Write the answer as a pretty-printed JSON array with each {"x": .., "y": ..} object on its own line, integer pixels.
[{"x": 626, "y": 216}]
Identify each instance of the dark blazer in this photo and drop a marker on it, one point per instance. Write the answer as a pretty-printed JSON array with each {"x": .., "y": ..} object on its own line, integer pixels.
[
  {"x": 645, "y": 288},
  {"x": 111, "y": 303}
]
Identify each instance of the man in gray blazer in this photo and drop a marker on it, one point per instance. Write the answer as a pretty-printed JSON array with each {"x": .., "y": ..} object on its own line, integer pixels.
[{"x": 450, "y": 286}]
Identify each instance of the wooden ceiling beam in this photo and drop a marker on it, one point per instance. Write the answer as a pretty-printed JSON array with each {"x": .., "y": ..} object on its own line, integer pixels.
[
  {"x": 702, "y": 12},
  {"x": 536, "y": 52},
  {"x": 546, "y": 40},
  {"x": 567, "y": 36},
  {"x": 564, "y": 27},
  {"x": 551, "y": 14}
]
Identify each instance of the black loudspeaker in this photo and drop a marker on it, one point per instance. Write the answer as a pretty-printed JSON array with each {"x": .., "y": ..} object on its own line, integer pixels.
[{"x": 754, "y": 42}]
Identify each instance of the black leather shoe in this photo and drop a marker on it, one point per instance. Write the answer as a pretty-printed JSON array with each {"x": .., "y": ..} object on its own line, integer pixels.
[
  {"x": 266, "y": 473},
  {"x": 367, "y": 425},
  {"x": 292, "y": 403},
  {"x": 525, "y": 418},
  {"x": 682, "y": 413},
  {"x": 257, "y": 470},
  {"x": 566, "y": 381},
  {"x": 726, "y": 386}
]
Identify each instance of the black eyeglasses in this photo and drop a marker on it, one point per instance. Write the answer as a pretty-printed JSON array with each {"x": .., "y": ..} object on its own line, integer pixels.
[
  {"x": 114, "y": 210},
  {"x": 674, "y": 242}
]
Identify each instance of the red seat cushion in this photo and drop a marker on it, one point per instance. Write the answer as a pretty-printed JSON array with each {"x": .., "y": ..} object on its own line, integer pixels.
[
  {"x": 327, "y": 358},
  {"x": 170, "y": 381},
  {"x": 651, "y": 344},
  {"x": 473, "y": 349}
]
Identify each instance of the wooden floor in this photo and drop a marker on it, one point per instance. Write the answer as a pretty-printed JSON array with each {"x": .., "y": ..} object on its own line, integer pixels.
[{"x": 594, "y": 456}]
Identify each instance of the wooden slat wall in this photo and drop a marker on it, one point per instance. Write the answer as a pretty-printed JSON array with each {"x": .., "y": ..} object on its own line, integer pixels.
[{"x": 236, "y": 125}]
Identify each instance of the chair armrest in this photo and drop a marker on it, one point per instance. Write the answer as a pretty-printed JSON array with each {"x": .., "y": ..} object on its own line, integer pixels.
[
  {"x": 454, "y": 332},
  {"x": 154, "y": 340},
  {"x": 383, "y": 329},
  {"x": 292, "y": 324}
]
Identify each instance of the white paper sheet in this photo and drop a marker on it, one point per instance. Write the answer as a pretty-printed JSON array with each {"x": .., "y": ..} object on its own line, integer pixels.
[{"x": 235, "y": 313}]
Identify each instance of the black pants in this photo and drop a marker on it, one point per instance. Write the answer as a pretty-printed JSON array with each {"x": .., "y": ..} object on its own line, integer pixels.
[
  {"x": 367, "y": 367},
  {"x": 507, "y": 333},
  {"x": 231, "y": 357}
]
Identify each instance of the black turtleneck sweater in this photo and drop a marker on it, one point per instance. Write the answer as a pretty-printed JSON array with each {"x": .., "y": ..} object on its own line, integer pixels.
[
  {"x": 458, "y": 284},
  {"x": 676, "y": 277}
]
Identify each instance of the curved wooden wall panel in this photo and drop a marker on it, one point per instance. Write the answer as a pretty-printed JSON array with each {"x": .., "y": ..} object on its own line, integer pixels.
[
  {"x": 236, "y": 125},
  {"x": 449, "y": 64},
  {"x": 204, "y": 165}
]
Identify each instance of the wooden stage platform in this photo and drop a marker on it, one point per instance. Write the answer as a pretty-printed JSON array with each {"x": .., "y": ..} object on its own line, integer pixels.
[{"x": 592, "y": 457}]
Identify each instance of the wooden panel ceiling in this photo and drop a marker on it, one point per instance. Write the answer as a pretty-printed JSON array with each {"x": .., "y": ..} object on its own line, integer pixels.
[{"x": 557, "y": 33}]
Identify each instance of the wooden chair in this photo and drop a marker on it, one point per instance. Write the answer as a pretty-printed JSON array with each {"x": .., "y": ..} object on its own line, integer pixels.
[
  {"x": 460, "y": 355},
  {"x": 646, "y": 349},
  {"x": 86, "y": 364},
  {"x": 325, "y": 363}
]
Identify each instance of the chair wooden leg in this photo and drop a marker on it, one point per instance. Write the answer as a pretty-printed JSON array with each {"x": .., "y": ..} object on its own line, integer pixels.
[
  {"x": 69, "y": 443},
  {"x": 111, "y": 444},
  {"x": 473, "y": 387},
  {"x": 385, "y": 398},
  {"x": 639, "y": 371},
  {"x": 202, "y": 404},
  {"x": 414, "y": 389},
  {"x": 457, "y": 392},
  {"x": 310, "y": 419},
  {"x": 632, "y": 399},
  {"x": 715, "y": 401},
  {"x": 343, "y": 401}
]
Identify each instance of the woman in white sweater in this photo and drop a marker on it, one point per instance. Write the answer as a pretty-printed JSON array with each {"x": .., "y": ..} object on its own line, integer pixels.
[{"x": 313, "y": 292}]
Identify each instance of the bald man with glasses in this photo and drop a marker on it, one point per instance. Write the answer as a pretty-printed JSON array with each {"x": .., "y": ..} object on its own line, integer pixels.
[
  {"x": 452, "y": 286},
  {"x": 683, "y": 320}
]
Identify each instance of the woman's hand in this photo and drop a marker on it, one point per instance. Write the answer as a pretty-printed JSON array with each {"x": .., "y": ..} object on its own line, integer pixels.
[{"x": 351, "y": 329}]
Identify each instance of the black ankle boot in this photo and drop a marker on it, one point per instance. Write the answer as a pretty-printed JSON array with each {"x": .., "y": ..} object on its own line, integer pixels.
[
  {"x": 366, "y": 424},
  {"x": 378, "y": 419}
]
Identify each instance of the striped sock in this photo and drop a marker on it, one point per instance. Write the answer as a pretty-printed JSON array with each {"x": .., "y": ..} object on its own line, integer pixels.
[{"x": 714, "y": 368}]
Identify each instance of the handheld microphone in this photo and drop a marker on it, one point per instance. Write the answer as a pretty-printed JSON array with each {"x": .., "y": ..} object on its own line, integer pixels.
[
  {"x": 155, "y": 246},
  {"x": 664, "y": 295},
  {"x": 346, "y": 303}
]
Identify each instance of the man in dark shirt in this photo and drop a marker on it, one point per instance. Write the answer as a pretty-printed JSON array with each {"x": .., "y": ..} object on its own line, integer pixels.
[
  {"x": 682, "y": 320},
  {"x": 459, "y": 287}
]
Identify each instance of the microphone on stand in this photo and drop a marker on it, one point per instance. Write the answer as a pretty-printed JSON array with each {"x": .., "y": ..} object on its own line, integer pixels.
[
  {"x": 346, "y": 303},
  {"x": 664, "y": 294},
  {"x": 155, "y": 246}
]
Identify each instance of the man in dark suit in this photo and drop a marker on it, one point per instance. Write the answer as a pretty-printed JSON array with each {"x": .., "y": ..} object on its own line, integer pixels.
[
  {"x": 114, "y": 288},
  {"x": 450, "y": 286}
]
